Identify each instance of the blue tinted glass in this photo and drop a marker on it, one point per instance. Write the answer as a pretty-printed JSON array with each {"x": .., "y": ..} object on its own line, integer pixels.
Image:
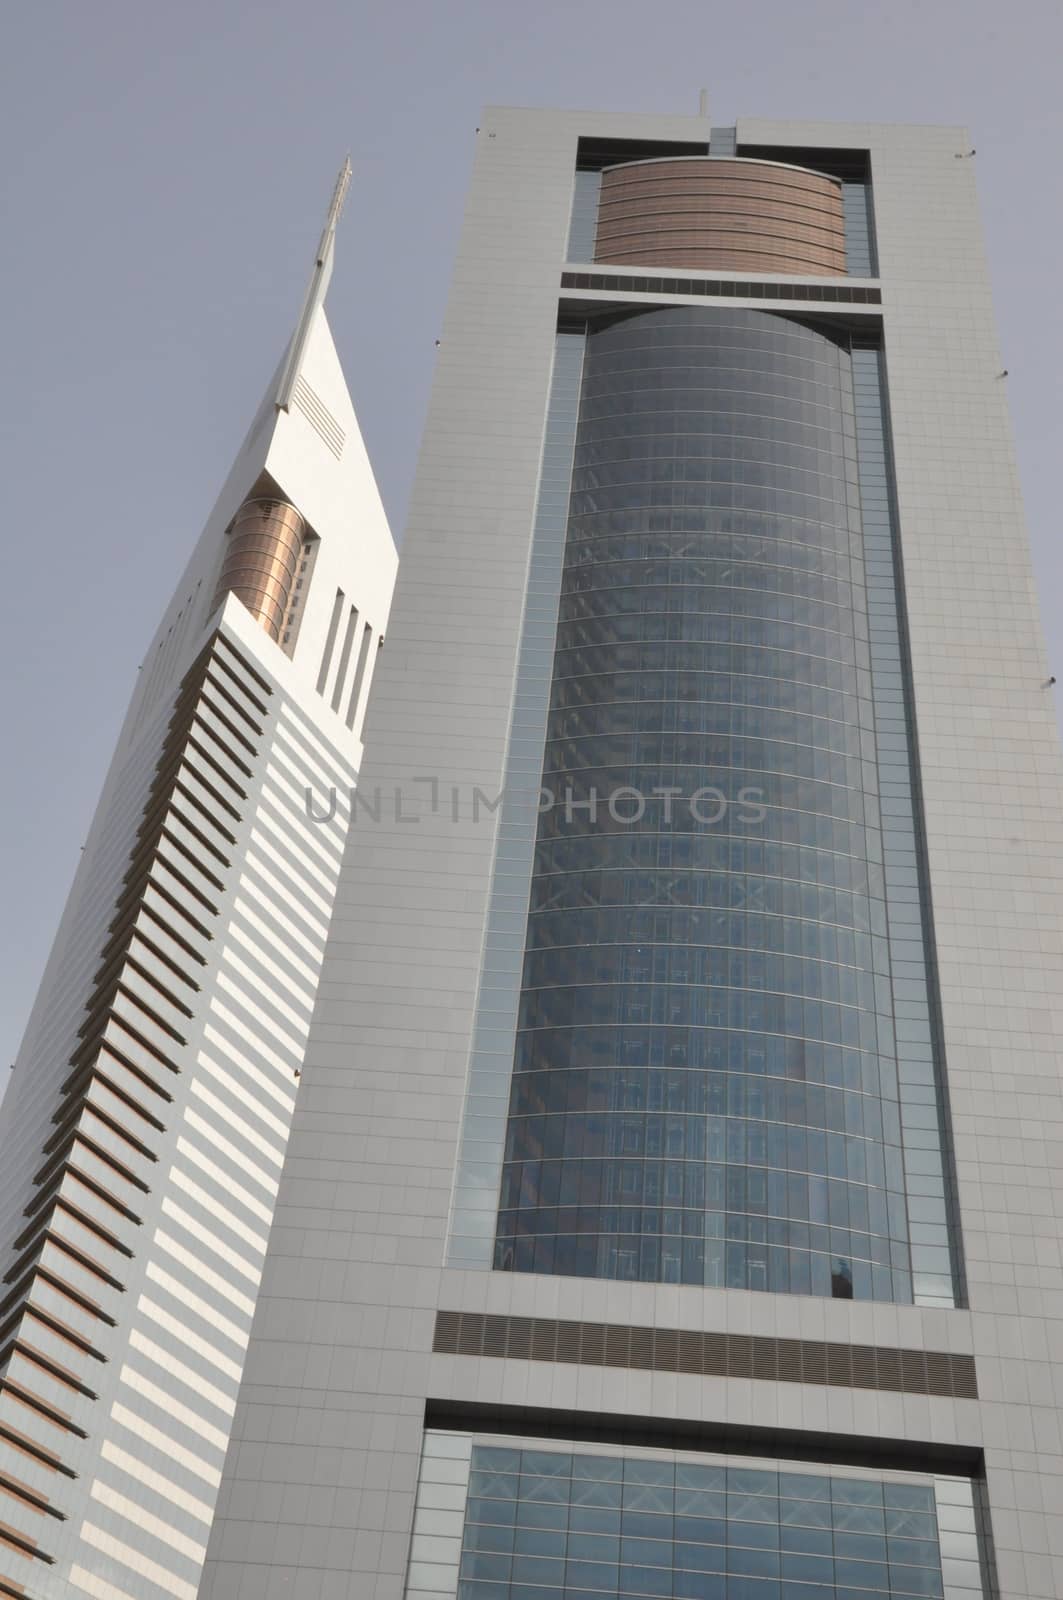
[
  {"x": 834, "y": 1546},
  {"x": 532, "y": 1514},
  {"x": 490, "y": 1538},
  {"x": 546, "y": 1464},
  {"x": 705, "y": 1080},
  {"x": 495, "y": 1484},
  {"x": 502, "y": 1512},
  {"x": 491, "y": 1458}
]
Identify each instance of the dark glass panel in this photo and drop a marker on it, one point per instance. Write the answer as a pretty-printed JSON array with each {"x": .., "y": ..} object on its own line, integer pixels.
[{"x": 704, "y": 1084}]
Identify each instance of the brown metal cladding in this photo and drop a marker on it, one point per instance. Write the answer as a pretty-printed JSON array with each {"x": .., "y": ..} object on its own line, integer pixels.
[
  {"x": 260, "y": 563},
  {"x": 740, "y": 216},
  {"x": 725, "y": 1355}
]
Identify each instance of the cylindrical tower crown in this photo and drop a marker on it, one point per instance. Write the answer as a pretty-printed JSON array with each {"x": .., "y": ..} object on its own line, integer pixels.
[
  {"x": 260, "y": 564},
  {"x": 724, "y": 215}
]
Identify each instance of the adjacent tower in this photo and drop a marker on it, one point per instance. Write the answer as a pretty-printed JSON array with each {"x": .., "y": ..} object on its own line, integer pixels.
[
  {"x": 143, "y": 1134},
  {"x": 672, "y": 1206}
]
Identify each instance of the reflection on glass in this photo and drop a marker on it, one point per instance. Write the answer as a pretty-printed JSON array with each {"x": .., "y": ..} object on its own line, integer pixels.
[
  {"x": 766, "y": 1529},
  {"x": 705, "y": 1079}
]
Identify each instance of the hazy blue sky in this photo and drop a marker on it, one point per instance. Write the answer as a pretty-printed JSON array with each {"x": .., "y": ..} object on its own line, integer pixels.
[{"x": 165, "y": 169}]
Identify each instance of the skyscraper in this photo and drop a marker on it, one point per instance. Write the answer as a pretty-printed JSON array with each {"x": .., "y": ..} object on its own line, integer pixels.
[
  {"x": 673, "y": 1200},
  {"x": 143, "y": 1134}
]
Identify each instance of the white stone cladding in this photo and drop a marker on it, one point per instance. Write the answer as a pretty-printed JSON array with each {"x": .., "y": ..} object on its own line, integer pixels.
[{"x": 120, "y": 1365}]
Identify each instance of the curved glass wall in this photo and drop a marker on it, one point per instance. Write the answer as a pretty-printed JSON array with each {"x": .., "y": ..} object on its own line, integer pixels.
[{"x": 705, "y": 1080}]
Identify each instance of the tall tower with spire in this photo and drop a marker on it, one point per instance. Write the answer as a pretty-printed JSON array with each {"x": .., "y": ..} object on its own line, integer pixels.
[{"x": 143, "y": 1133}]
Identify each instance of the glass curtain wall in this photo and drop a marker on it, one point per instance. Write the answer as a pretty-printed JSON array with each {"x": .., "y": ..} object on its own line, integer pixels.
[
  {"x": 704, "y": 1090},
  {"x": 501, "y": 1518}
]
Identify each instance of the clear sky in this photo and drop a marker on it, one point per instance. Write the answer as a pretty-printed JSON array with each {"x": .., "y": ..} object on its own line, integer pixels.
[{"x": 166, "y": 165}]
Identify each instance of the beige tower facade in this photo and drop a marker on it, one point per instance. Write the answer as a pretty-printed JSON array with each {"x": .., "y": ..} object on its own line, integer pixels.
[{"x": 672, "y": 1205}]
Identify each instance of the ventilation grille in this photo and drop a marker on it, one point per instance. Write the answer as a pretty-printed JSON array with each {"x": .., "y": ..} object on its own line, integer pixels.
[
  {"x": 319, "y": 417},
  {"x": 729, "y": 287},
  {"x": 717, "y": 1355}
]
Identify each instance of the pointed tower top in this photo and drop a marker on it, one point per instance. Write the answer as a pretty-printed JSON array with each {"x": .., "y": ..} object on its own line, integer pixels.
[{"x": 315, "y": 293}]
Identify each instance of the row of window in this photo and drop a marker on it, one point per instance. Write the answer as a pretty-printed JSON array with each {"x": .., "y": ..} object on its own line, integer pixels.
[
  {"x": 616, "y": 703},
  {"x": 692, "y": 1534},
  {"x": 711, "y": 581},
  {"x": 629, "y": 752},
  {"x": 676, "y": 653},
  {"x": 711, "y": 429},
  {"x": 663, "y": 1473},
  {"x": 622, "y": 1145},
  {"x": 680, "y": 690},
  {"x": 650, "y": 720},
  {"x": 700, "y": 1517},
  {"x": 626, "y": 1531},
  {"x": 692, "y": 864},
  {"x": 594, "y": 1005},
  {"x": 751, "y": 415},
  {"x": 686, "y": 799},
  {"x": 676, "y": 1221},
  {"x": 730, "y": 414},
  {"x": 696, "y": 1161},
  {"x": 625, "y": 481},
  {"x": 696, "y": 1542},
  {"x": 734, "y": 930},
  {"x": 770, "y": 350},
  {"x": 707, "y": 350},
  {"x": 699, "y": 519},
  {"x": 747, "y": 626},
  {"x": 703, "y": 966},
  {"x": 775, "y": 1205},
  {"x": 611, "y": 885},
  {"x": 742, "y": 333},
  {"x": 724, "y": 603},
  {"x": 688, "y": 499},
  {"x": 708, "y": 575},
  {"x": 648, "y": 1258},
  {"x": 770, "y": 541},
  {"x": 793, "y": 374},
  {"x": 673, "y": 1052},
  {"x": 756, "y": 414},
  {"x": 659, "y": 1097},
  {"x": 825, "y": 451},
  {"x": 484, "y": 1579},
  {"x": 670, "y": 843},
  {"x": 822, "y": 476}
]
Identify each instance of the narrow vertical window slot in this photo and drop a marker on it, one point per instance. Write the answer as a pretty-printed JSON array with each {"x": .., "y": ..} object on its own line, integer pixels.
[
  {"x": 330, "y": 641},
  {"x": 345, "y": 656},
  {"x": 356, "y": 687}
]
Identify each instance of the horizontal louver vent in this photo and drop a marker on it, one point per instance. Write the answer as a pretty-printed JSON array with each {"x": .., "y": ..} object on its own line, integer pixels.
[
  {"x": 656, "y": 284},
  {"x": 319, "y": 417},
  {"x": 719, "y": 1355}
]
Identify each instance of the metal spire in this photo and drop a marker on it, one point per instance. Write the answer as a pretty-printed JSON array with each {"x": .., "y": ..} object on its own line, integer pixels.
[{"x": 316, "y": 289}]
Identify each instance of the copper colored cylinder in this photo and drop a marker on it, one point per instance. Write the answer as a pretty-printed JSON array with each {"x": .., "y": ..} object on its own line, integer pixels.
[
  {"x": 265, "y": 542},
  {"x": 723, "y": 215}
]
